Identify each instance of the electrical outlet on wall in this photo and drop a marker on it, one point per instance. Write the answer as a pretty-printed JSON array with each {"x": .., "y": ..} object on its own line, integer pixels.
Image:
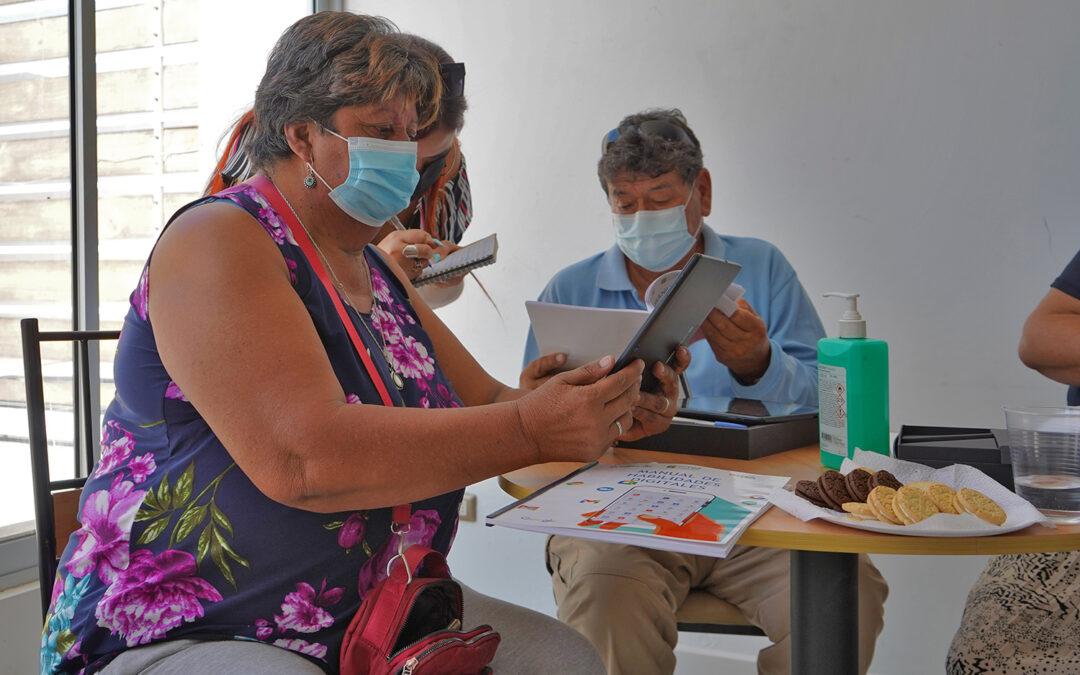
[{"x": 467, "y": 508}]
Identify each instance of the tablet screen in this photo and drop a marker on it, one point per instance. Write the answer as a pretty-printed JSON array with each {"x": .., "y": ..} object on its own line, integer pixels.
[{"x": 743, "y": 410}]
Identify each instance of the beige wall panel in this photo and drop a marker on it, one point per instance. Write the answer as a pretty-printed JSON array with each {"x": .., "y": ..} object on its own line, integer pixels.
[
  {"x": 119, "y": 278},
  {"x": 126, "y": 153},
  {"x": 180, "y": 86},
  {"x": 119, "y": 154},
  {"x": 173, "y": 201},
  {"x": 127, "y": 27},
  {"x": 41, "y": 98},
  {"x": 181, "y": 149},
  {"x": 33, "y": 40},
  {"x": 181, "y": 21},
  {"x": 50, "y": 280},
  {"x": 127, "y": 217},
  {"x": 122, "y": 28},
  {"x": 127, "y": 91},
  {"x": 34, "y": 160},
  {"x": 47, "y": 98},
  {"x": 36, "y": 281},
  {"x": 36, "y": 220},
  {"x": 47, "y": 220}
]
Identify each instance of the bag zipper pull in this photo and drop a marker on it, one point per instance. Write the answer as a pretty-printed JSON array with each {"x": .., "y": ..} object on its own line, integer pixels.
[{"x": 409, "y": 665}]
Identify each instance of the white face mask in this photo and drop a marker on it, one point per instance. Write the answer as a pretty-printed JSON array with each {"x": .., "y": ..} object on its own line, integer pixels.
[{"x": 656, "y": 240}]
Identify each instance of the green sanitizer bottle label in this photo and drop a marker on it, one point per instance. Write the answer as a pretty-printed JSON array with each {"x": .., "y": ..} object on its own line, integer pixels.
[{"x": 832, "y": 409}]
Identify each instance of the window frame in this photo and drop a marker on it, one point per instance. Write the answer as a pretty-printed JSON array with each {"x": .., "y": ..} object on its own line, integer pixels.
[{"x": 18, "y": 546}]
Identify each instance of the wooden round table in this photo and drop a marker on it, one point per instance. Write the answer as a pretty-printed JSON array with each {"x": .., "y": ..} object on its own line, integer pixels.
[{"x": 824, "y": 556}]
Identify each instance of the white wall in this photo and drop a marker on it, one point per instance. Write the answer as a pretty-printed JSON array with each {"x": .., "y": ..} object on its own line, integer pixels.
[{"x": 925, "y": 153}]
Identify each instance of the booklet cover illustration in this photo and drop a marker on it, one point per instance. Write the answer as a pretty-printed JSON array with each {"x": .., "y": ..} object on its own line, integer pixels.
[{"x": 668, "y": 506}]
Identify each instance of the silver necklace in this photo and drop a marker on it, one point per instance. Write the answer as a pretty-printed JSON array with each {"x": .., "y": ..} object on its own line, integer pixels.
[{"x": 399, "y": 381}]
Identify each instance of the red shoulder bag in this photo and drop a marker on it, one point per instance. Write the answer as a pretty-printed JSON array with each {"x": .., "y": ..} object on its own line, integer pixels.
[{"x": 411, "y": 625}]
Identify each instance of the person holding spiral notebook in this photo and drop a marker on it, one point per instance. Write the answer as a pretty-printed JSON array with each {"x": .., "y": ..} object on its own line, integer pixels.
[{"x": 440, "y": 209}]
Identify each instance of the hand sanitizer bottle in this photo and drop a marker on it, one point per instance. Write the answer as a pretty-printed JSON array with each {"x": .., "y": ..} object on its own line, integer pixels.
[{"x": 853, "y": 389}]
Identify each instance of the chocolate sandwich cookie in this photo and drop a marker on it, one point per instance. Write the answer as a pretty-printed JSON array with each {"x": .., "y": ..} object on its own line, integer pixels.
[
  {"x": 885, "y": 478},
  {"x": 831, "y": 485},
  {"x": 857, "y": 482},
  {"x": 808, "y": 490}
]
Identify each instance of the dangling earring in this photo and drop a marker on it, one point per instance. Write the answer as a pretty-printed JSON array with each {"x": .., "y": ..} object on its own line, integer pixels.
[{"x": 309, "y": 180}]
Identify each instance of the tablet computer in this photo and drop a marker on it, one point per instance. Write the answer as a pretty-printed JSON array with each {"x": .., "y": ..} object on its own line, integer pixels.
[
  {"x": 679, "y": 314},
  {"x": 747, "y": 411}
]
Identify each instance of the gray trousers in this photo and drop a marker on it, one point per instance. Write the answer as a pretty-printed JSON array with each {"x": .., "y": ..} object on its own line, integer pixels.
[{"x": 532, "y": 643}]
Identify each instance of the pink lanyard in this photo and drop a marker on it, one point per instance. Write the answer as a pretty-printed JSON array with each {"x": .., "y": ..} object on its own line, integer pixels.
[{"x": 272, "y": 195}]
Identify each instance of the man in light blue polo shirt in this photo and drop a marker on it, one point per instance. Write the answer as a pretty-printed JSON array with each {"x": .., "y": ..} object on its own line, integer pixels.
[
  {"x": 624, "y": 598},
  {"x": 768, "y": 349}
]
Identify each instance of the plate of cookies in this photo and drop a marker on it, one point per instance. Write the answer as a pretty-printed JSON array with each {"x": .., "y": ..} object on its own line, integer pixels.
[{"x": 877, "y": 493}]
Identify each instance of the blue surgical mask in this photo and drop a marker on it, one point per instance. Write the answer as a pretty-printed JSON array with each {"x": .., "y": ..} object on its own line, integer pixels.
[
  {"x": 656, "y": 240},
  {"x": 382, "y": 175}
]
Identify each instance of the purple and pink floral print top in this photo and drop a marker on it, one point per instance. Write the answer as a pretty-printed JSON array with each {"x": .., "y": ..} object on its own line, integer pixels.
[{"x": 176, "y": 541}]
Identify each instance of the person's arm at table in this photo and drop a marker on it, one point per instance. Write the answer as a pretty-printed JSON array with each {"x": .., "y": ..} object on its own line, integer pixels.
[
  {"x": 240, "y": 344},
  {"x": 1050, "y": 342}
]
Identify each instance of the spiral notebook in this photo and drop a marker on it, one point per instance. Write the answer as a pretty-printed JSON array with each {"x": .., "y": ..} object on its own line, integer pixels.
[{"x": 477, "y": 254}]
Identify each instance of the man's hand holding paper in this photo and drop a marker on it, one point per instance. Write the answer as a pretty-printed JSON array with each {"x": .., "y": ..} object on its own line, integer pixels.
[{"x": 739, "y": 341}]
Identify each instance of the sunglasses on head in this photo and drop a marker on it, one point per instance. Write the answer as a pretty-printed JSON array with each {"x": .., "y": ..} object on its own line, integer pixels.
[
  {"x": 453, "y": 77},
  {"x": 669, "y": 131}
]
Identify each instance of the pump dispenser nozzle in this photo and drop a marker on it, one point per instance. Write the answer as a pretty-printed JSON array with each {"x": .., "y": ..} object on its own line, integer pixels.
[{"x": 852, "y": 325}]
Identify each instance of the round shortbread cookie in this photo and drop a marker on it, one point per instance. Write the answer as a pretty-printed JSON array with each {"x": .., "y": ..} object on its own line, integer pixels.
[
  {"x": 942, "y": 496},
  {"x": 919, "y": 484},
  {"x": 859, "y": 509},
  {"x": 854, "y": 517},
  {"x": 956, "y": 503},
  {"x": 978, "y": 504},
  {"x": 880, "y": 500},
  {"x": 899, "y": 513},
  {"x": 939, "y": 493},
  {"x": 914, "y": 504}
]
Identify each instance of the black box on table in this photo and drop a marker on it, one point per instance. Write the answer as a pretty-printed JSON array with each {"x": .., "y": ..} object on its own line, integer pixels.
[
  {"x": 984, "y": 449},
  {"x": 750, "y": 442}
]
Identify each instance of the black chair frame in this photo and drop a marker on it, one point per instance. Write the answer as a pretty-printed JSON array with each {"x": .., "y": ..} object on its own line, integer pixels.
[{"x": 85, "y": 434}]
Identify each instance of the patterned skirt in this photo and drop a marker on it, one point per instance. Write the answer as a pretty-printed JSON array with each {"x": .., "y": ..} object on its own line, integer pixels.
[{"x": 1022, "y": 616}]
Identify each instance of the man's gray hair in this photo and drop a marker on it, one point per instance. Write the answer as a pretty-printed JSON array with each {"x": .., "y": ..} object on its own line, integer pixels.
[{"x": 642, "y": 154}]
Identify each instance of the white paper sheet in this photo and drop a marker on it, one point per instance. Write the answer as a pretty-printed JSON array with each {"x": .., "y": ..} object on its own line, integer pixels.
[{"x": 582, "y": 333}]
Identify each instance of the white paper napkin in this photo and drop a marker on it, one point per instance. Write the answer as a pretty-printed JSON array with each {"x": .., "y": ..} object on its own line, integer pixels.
[{"x": 1020, "y": 513}]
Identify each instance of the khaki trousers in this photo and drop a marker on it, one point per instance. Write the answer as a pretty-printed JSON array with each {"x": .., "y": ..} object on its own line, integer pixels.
[{"x": 624, "y": 598}]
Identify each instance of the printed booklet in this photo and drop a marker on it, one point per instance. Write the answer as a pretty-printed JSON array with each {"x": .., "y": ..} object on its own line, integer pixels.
[{"x": 674, "y": 507}]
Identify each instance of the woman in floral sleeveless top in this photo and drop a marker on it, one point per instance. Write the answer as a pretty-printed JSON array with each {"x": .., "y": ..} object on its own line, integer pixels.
[{"x": 240, "y": 509}]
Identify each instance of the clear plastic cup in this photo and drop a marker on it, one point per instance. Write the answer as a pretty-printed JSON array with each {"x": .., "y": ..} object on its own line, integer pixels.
[{"x": 1044, "y": 443}]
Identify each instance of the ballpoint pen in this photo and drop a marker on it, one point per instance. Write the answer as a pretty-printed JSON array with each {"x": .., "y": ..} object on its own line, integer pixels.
[{"x": 708, "y": 423}]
